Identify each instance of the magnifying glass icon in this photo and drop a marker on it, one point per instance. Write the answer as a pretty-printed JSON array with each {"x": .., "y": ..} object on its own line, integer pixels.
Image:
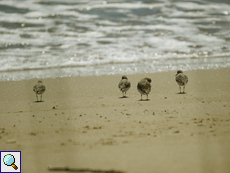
[{"x": 9, "y": 160}]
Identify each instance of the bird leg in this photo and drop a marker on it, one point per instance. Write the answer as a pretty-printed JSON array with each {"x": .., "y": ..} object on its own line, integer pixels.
[
  {"x": 37, "y": 97},
  {"x": 184, "y": 89},
  {"x": 147, "y": 96},
  {"x": 141, "y": 96},
  {"x": 180, "y": 89},
  {"x": 41, "y": 98}
]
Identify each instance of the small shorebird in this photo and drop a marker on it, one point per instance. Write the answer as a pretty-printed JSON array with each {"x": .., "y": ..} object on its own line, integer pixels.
[
  {"x": 144, "y": 86},
  {"x": 39, "y": 89},
  {"x": 124, "y": 85},
  {"x": 181, "y": 79}
]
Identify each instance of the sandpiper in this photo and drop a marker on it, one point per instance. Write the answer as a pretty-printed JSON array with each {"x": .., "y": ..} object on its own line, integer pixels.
[
  {"x": 124, "y": 85},
  {"x": 181, "y": 80},
  {"x": 39, "y": 89},
  {"x": 144, "y": 86}
]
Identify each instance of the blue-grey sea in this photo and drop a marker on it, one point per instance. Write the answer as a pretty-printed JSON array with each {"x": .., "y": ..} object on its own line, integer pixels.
[{"x": 60, "y": 38}]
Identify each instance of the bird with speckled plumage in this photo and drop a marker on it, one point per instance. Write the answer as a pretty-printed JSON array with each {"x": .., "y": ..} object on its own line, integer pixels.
[
  {"x": 39, "y": 89},
  {"x": 124, "y": 85},
  {"x": 181, "y": 80},
  {"x": 144, "y": 87}
]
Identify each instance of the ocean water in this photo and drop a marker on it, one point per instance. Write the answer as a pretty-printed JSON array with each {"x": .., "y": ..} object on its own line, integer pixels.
[{"x": 57, "y": 38}]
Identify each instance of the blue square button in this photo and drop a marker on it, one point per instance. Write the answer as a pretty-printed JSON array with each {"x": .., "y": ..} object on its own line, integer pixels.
[{"x": 10, "y": 161}]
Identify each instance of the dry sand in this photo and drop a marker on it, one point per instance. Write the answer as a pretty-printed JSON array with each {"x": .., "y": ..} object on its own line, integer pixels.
[{"x": 93, "y": 129}]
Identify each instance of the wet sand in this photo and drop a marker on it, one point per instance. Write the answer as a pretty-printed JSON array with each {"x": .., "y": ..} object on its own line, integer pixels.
[{"x": 84, "y": 124}]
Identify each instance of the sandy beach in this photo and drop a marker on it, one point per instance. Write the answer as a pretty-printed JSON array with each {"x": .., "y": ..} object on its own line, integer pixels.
[{"x": 83, "y": 124}]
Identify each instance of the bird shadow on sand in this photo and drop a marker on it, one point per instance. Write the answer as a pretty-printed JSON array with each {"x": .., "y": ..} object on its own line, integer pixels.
[
  {"x": 144, "y": 100},
  {"x": 123, "y": 97},
  {"x": 38, "y": 101},
  {"x": 182, "y": 93}
]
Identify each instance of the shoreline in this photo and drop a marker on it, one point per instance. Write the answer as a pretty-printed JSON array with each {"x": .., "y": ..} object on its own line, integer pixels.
[
  {"x": 153, "y": 66},
  {"x": 84, "y": 123}
]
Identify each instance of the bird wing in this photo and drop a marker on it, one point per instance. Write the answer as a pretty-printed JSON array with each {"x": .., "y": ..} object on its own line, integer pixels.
[
  {"x": 124, "y": 83},
  {"x": 181, "y": 78},
  {"x": 144, "y": 86},
  {"x": 39, "y": 88},
  {"x": 34, "y": 88},
  {"x": 42, "y": 88}
]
